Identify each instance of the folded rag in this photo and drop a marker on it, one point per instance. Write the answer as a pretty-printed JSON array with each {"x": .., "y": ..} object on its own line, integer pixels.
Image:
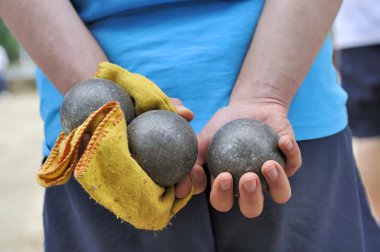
[{"x": 106, "y": 170}]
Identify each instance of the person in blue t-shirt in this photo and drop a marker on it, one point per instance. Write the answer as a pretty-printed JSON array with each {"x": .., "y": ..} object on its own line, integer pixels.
[{"x": 224, "y": 60}]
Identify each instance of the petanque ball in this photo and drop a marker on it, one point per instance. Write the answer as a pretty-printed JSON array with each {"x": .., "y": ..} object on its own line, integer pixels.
[
  {"x": 88, "y": 96},
  {"x": 241, "y": 146},
  {"x": 164, "y": 145}
]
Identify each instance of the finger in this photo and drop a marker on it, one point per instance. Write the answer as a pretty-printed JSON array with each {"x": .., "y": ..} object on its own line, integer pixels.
[
  {"x": 251, "y": 199},
  {"x": 85, "y": 139},
  {"x": 221, "y": 196},
  {"x": 183, "y": 188},
  {"x": 292, "y": 153},
  {"x": 278, "y": 182},
  {"x": 176, "y": 101},
  {"x": 182, "y": 110},
  {"x": 198, "y": 178}
]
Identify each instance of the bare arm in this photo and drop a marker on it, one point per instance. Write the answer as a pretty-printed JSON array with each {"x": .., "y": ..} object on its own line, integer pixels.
[
  {"x": 55, "y": 37},
  {"x": 61, "y": 45},
  {"x": 287, "y": 40},
  {"x": 288, "y": 37}
]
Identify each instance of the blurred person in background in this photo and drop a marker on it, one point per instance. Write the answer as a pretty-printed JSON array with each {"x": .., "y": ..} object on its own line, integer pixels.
[
  {"x": 4, "y": 61},
  {"x": 357, "y": 40}
]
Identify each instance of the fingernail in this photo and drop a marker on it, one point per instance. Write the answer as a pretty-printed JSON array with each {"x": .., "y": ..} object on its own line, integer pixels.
[
  {"x": 250, "y": 185},
  {"x": 197, "y": 175},
  {"x": 225, "y": 184},
  {"x": 289, "y": 144},
  {"x": 272, "y": 173}
]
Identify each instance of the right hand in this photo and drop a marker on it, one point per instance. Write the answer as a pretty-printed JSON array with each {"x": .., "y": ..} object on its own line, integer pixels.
[{"x": 251, "y": 200}]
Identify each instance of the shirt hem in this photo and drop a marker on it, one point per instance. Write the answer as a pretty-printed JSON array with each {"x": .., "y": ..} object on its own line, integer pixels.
[{"x": 321, "y": 130}]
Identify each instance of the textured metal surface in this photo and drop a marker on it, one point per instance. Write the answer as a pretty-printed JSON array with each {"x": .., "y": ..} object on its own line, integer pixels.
[
  {"x": 164, "y": 145},
  {"x": 242, "y": 146},
  {"x": 88, "y": 96}
]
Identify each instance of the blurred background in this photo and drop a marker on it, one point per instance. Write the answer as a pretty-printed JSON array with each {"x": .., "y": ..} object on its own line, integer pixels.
[{"x": 21, "y": 132}]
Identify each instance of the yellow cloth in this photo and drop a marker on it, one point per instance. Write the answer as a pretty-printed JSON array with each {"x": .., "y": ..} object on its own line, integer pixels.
[{"x": 106, "y": 169}]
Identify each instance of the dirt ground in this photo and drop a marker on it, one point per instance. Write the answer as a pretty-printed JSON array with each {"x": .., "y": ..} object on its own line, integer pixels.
[{"x": 20, "y": 156}]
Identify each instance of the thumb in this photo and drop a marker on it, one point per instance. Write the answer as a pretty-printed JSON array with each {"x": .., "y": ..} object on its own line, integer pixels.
[{"x": 181, "y": 109}]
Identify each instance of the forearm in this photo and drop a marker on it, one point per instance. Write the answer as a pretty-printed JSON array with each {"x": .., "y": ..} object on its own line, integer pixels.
[
  {"x": 287, "y": 39},
  {"x": 55, "y": 37}
]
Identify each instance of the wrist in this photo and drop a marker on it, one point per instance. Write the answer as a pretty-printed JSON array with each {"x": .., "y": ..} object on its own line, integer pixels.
[{"x": 263, "y": 92}]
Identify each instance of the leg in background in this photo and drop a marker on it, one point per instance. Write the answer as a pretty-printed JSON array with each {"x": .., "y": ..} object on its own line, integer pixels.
[{"x": 367, "y": 154}]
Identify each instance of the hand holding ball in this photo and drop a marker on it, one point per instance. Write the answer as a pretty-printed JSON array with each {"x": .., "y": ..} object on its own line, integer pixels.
[
  {"x": 161, "y": 142},
  {"x": 164, "y": 145},
  {"x": 243, "y": 146}
]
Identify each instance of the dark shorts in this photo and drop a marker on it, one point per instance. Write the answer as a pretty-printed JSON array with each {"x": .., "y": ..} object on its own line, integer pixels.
[
  {"x": 360, "y": 72},
  {"x": 328, "y": 212}
]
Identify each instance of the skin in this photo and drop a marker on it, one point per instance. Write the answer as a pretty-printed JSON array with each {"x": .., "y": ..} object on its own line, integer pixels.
[
  {"x": 288, "y": 38},
  {"x": 366, "y": 151},
  {"x": 54, "y": 35},
  {"x": 46, "y": 30}
]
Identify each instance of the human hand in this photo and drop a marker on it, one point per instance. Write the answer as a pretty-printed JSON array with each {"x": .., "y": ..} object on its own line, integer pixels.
[
  {"x": 251, "y": 199},
  {"x": 197, "y": 176}
]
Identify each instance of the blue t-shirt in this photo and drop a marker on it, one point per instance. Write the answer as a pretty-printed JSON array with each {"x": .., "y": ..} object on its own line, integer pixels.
[{"x": 194, "y": 50}]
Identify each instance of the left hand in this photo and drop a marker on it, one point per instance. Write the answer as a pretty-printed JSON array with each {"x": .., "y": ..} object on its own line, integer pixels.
[{"x": 251, "y": 198}]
